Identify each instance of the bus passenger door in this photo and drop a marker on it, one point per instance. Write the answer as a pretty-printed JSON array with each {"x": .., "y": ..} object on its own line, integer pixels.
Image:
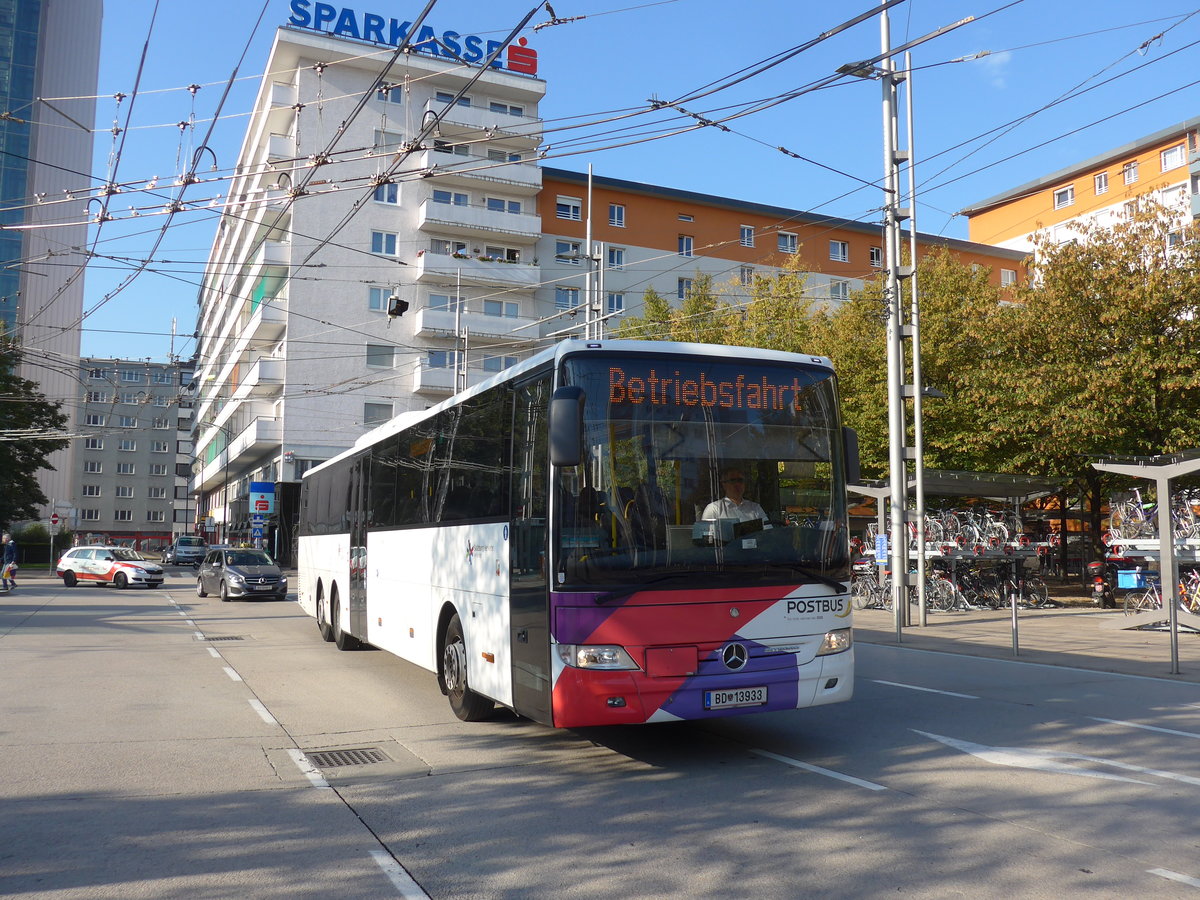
[
  {"x": 358, "y": 546},
  {"x": 528, "y": 586}
]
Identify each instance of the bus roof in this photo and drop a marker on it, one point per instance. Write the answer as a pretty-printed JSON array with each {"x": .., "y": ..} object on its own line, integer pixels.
[{"x": 568, "y": 348}]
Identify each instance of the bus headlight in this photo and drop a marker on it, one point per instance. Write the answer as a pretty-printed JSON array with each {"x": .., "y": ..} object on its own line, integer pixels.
[
  {"x": 835, "y": 642},
  {"x": 595, "y": 656}
]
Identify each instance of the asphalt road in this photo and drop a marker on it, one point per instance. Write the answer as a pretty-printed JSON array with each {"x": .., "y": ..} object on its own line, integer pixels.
[{"x": 154, "y": 746}]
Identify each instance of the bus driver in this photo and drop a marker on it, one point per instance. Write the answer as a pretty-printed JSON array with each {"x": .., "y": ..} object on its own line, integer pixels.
[{"x": 734, "y": 504}]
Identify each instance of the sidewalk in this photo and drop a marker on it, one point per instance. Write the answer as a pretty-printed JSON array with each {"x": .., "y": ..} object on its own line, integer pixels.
[{"x": 1076, "y": 636}]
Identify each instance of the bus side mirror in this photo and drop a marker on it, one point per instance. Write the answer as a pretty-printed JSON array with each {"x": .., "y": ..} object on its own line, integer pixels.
[
  {"x": 850, "y": 451},
  {"x": 566, "y": 426}
]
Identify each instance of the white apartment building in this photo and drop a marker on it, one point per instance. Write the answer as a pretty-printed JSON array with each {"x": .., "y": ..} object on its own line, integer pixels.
[{"x": 297, "y": 354}]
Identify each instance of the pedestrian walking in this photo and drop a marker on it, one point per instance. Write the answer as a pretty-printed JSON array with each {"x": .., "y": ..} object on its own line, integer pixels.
[{"x": 8, "y": 566}]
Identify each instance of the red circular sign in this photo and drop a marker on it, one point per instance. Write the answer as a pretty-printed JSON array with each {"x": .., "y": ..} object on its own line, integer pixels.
[{"x": 54, "y": 519}]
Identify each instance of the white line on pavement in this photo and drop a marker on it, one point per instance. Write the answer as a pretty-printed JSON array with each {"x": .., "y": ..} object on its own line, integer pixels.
[
  {"x": 262, "y": 712},
  {"x": 308, "y": 769},
  {"x": 190, "y": 622},
  {"x": 181, "y": 612},
  {"x": 913, "y": 687},
  {"x": 199, "y": 635},
  {"x": 1190, "y": 734},
  {"x": 212, "y": 651},
  {"x": 828, "y": 773},
  {"x": 1175, "y": 876},
  {"x": 401, "y": 879},
  {"x": 233, "y": 676}
]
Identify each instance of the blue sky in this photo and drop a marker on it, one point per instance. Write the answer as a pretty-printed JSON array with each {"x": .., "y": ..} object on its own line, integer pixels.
[{"x": 1061, "y": 80}]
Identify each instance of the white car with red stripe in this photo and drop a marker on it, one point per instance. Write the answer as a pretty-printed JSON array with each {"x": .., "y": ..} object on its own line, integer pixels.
[{"x": 118, "y": 566}]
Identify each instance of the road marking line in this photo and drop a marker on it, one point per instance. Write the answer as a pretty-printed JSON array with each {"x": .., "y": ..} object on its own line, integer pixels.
[
  {"x": 401, "y": 879},
  {"x": 234, "y": 676},
  {"x": 181, "y": 612},
  {"x": 1190, "y": 734},
  {"x": 262, "y": 712},
  {"x": 308, "y": 769},
  {"x": 190, "y": 622},
  {"x": 199, "y": 636},
  {"x": 1175, "y": 876},
  {"x": 913, "y": 687},
  {"x": 829, "y": 773},
  {"x": 212, "y": 651}
]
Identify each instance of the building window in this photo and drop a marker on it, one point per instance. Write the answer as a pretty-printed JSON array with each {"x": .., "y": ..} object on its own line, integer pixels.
[
  {"x": 686, "y": 217},
  {"x": 877, "y": 257},
  {"x": 839, "y": 251},
  {"x": 447, "y": 248},
  {"x": 125, "y": 469},
  {"x": 839, "y": 290},
  {"x": 454, "y": 149},
  {"x": 123, "y": 515},
  {"x": 157, "y": 493},
  {"x": 390, "y": 93},
  {"x": 1129, "y": 172},
  {"x": 91, "y": 490},
  {"x": 131, "y": 397},
  {"x": 381, "y": 356},
  {"x": 161, "y": 424},
  {"x": 387, "y": 193},
  {"x": 746, "y": 233},
  {"x": 453, "y": 198},
  {"x": 568, "y": 252},
  {"x": 158, "y": 468},
  {"x": 566, "y": 298},
  {"x": 377, "y": 298},
  {"x": 1064, "y": 196},
  {"x": 93, "y": 443},
  {"x": 438, "y": 359},
  {"x": 616, "y": 215},
  {"x": 125, "y": 491},
  {"x": 787, "y": 242},
  {"x": 446, "y": 302},
  {"x": 446, "y": 97},
  {"x": 499, "y": 204},
  {"x": 569, "y": 208},
  {"x": 683, "y": 287},
  {"x": 130, "y": 376},
  {"x": 156, "y": 515},
  {"x": 93, "y": 419},
  {"x": 1100, "y": 183},
  {"x": 160, "y": 377},
  {"x": 746, "y": 275},
  {"x": 685, "y": 245},
  {"x": 96, "y": 397},
  {"x": 158, "y": 447},
  {"x": 127, "y": 421},
  {"x": 93, "y": 467},
  {"x": 376, "y": 413},
  {"x": 498, "y": 363},
  {"x": 98, "y": 374},
  {"x": 616, "y": 257},
  {"x": 383, "y": 243},
  {"x": 126, "y": 445},
  {"x": 616, "y": 303},
  {"x": 503, "y": 254},
  {"x": 160, "y": 400},
  {"x": 89, "y": 515},
  {"x": 1173, "y": 157},
  {"x": 1195, "y": 184},
  {"x": 1008, "y": 277},
  {"x": 506, "y": 309},
  {"x": 506, "y": 109}
]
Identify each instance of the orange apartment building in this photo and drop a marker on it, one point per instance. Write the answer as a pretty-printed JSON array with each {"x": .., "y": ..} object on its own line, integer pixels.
[
  {"x": 1164, "y": 165},
  {"x": 652, "y": 236}
]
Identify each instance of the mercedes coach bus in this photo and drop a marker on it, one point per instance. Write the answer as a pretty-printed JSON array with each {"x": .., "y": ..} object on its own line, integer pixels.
[{"x": 610, "y": 532}]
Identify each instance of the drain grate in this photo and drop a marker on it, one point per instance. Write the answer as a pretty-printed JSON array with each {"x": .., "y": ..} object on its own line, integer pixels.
[
  {"x": 336, "y": 759},
  {"x": 222, "y": 637}
]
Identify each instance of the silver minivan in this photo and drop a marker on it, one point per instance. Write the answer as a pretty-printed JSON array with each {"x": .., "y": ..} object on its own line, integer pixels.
[
  {"x": 184, "y": 551},
  {"x": 234, "y": 574}
]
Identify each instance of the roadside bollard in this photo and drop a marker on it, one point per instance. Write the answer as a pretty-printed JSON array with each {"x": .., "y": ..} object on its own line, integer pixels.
[{"x": 1016, "y": 640}]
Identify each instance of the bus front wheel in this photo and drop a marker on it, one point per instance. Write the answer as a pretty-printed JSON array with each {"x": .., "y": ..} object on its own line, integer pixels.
[{"x": 467, "y": 705}]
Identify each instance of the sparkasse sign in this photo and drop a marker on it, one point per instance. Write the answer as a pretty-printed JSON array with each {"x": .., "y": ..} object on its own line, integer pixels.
[{"x": 471, "y": 48}]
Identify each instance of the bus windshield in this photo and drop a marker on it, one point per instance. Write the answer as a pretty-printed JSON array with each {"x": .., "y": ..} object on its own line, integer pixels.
[{"x": 698, "y": 469}]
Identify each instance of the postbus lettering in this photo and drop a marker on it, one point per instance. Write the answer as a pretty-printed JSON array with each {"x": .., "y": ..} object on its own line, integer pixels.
[{"x": 817, "y": 605}]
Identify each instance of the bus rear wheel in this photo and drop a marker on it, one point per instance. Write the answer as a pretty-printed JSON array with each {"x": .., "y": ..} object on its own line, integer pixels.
[
  {"x": 323, "y": 625},
  {"x": 343, "y": 640},
  {"x": 467, "y": 705}
]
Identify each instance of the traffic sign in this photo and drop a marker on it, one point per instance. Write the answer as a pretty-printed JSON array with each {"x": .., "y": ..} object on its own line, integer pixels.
[
  {"x": 256, "y": 534},
  {"x": 54, "y": 519}
]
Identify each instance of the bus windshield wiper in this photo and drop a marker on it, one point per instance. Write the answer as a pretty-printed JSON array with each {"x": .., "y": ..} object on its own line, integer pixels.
[
  {"x": 630, "y": 591},
  {"x": 810, "y": 574}
]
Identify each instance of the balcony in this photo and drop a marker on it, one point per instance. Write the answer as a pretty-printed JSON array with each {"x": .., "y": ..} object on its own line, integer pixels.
[
  {"x": 273, "y": 253},
  {"x": 523, "y": 177},
  {"x": 432, "y": 323},
  {"x": 433, "y": 379},
  {"x": 440, "y": 268},
  {"x": 269, "y": 321},
  {"x": 280, "y": 147},
  {"x": 477, "y": 219},
  {"x": 263, "y": 379},
  {"x": 474, "y": 119},
  {"x": 248, "y": 446}
]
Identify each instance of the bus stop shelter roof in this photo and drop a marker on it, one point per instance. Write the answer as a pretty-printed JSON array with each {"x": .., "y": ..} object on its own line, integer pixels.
[{"x": 985, "y": 485}]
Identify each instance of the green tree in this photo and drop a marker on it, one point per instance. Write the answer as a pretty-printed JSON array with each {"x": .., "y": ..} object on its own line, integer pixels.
[
  {"x": 654, "y": 324},
  {"x": 25, "y": 439}
]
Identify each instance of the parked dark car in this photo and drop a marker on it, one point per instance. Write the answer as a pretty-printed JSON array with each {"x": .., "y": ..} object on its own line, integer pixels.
[{"x": 234, "y": 574}]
